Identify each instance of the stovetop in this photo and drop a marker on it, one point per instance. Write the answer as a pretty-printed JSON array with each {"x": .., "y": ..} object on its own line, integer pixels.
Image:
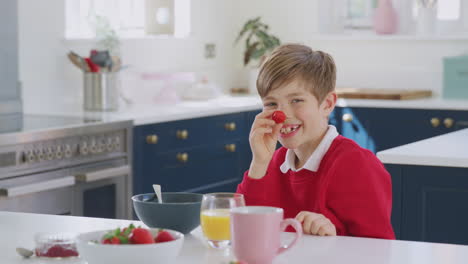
[
  {"x": 17, "y": 123},
  {"x": 43, "y": 142}
]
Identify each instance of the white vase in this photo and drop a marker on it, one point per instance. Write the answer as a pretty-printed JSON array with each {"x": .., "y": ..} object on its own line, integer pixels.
[
  {"x": 405, "y": 16},
  {"x": 426, "y": 21},
  {"x": 253, "y": 75}
]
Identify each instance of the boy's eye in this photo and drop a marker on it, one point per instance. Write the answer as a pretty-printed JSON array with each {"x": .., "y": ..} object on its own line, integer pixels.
[
  {"x": 269, "y": 104},
  {"x": 297, "y": 100}
]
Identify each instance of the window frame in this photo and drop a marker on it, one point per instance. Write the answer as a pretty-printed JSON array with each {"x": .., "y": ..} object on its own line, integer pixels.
[{"x": 126, "y": 20}]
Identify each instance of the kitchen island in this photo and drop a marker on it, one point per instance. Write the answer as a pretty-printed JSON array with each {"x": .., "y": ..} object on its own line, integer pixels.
[
  {"x": 430, "y": 188},
  {"x": 18, "y": 229},
  {"x": 448, "y": 150}
]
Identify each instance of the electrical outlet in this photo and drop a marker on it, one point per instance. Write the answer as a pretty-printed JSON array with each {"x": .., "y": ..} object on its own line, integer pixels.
[{"x": 210, "y": 50}]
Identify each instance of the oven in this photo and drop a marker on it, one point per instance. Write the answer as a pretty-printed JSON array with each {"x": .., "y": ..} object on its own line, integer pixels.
[{"x": 83, "y": 170}]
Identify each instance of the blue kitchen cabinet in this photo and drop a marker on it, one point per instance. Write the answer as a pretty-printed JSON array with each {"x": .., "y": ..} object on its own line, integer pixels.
[
  {"x": 382, "y": 128},
  {"x": 193, "y": 155},
  {"x": 453, "y": 120},
  {"x": 429, "y": 203},
  {"x": 395, "y": 127}
]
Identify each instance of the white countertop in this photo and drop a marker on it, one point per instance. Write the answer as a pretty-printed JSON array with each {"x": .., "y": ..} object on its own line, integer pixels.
[
  {"x": 434, "y": 103},
  {"x": 148, "y": 114},
  {"x": 18, "y": 229},
  {"x": 448, "y": 150}
]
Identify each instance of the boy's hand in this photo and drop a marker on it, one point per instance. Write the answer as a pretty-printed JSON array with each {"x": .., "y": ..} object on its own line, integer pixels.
[
  {"x": 316, "y": 224},
  {"x": 263, "y": 138}
]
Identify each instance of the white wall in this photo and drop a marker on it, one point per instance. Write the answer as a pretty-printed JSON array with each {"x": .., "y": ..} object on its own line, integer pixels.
[
  {"x": 405, "y": 64},
  {"x": 51, "y": 82}
]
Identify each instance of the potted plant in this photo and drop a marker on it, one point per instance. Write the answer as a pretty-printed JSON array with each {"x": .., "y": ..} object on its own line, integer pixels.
[{"x": 258, "y": 44}]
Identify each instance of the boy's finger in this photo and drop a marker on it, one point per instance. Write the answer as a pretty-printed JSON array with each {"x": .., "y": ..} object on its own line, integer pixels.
[
  {"x": 327, "y": 230},
  {"x": 263, "y": 122},
  {"x": 317, "y": 224},
  {"x": 307, "y": 224},
  {"x": 323, "y": 231},
  {"x": 276, "y": 130},
  {"x": 300, "y": 216},
  {"x": 265, "y": 113},
  {"x": 259, "y": 132}
]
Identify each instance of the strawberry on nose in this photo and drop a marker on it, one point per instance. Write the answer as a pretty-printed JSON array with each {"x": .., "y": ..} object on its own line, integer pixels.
[{"x": 278, "y": 117}]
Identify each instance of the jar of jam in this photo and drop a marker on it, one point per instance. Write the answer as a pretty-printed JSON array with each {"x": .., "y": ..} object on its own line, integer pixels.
[{"x": 56, "y": 245}]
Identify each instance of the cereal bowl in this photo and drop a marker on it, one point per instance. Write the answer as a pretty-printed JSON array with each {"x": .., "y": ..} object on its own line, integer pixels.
[{"x": 179, "y": 210}]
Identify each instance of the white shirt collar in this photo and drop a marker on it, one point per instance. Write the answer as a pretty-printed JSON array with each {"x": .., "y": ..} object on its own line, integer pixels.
[{"x": 314, "y": 160}]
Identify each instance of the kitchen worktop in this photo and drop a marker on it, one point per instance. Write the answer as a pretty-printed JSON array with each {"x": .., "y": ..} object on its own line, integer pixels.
[
  {"x": 18, "y": 229},
  {"x": 148, "y": 114},
  {"x": 448, "y": 150}
]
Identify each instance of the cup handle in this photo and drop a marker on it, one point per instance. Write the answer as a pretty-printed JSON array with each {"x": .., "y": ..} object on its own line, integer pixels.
[{"x": 297, "y": 226}]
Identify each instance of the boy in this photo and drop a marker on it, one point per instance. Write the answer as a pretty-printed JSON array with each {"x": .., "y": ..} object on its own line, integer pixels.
[{"x": 327, "y": 182}]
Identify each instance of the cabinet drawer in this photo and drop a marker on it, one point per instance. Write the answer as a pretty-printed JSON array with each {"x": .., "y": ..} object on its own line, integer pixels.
[
  {"x": 196, "y": 167},
  {"x": 192, "y": 132}
]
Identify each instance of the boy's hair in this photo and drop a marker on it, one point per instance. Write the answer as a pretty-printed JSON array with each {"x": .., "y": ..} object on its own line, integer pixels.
[{"x": 298, "y": 62}]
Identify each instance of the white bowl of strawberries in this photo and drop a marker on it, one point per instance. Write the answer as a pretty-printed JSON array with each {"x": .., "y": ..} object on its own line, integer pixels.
[{"x": 130, "y": 244}]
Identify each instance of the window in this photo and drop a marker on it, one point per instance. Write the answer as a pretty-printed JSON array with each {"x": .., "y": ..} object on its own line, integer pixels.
[{"x": 129, "y": 18}]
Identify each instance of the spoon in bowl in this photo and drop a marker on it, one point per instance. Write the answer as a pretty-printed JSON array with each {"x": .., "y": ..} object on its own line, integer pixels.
[{"x": 157, "y": 191}]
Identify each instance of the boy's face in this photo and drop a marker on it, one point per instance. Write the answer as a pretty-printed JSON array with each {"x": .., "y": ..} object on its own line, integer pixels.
[{"x": 306, "y": 118}]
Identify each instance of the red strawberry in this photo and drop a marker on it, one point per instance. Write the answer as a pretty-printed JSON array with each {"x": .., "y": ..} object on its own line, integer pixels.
[
  {"x": 141, "y": 236},
  {"x": 163, "y": 236},
  {"x": 278, "y": 117},
  {"x": 113, "y": 240}
]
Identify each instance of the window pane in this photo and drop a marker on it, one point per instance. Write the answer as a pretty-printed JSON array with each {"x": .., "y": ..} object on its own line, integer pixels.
[{"x": 127, "y": 17}]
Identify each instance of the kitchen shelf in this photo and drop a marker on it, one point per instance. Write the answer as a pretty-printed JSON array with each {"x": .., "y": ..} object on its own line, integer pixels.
[{"x": 370, "y": 36}]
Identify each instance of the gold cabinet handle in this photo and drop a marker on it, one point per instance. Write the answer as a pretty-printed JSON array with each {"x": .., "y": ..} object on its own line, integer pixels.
[
  {"x": 230, "y": 126},
  {"x": 152, "y": 139},
  {"x": 182, "y": 134},
  {"x": 182, "y": 157},
  {"x": 448, "y": 122},
  {"x": 435, "y": 122},
  {"x": 230, "y": 147},
  {"x": 347, "y": 117}
]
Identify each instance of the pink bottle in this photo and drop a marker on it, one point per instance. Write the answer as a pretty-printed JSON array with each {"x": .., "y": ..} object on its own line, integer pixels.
[{"x": 385, "y": 18}]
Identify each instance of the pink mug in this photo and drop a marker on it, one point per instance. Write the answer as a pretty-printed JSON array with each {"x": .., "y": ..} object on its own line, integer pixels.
[{"x": 255, "y": 233}]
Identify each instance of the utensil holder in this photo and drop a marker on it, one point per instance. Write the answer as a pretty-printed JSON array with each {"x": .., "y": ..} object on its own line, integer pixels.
[{"x": 101, "y": 91}]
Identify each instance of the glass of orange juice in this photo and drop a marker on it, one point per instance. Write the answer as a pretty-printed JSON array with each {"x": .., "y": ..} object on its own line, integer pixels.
[{"x": 214, "y": 217}]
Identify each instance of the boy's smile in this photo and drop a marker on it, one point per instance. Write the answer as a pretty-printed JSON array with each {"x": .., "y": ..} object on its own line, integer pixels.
[{"x": 289, "y": 130}]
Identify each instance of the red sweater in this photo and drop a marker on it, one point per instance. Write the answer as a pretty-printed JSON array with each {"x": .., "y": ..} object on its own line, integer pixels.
[{"x": 351, "y": 188}]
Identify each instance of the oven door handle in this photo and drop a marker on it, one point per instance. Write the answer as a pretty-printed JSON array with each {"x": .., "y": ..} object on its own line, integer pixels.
[
  {"x": 103, "y": 174},
  {"x": 36, "y": 187}
]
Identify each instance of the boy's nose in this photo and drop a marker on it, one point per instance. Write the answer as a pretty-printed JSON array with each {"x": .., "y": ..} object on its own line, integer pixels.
[{"x": 284, "y": 109}]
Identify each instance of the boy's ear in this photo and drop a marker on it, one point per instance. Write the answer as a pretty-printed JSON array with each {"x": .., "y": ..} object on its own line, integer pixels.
[{"x": 329, "y": 102}]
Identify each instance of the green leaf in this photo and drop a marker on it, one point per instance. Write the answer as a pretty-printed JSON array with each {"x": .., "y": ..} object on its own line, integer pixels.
[
  {"x": 258, "y": 41},
  {"x": 258, "y": 53},
  {"x": 250, "y": 24},
  {"x": 123, "y": 239},
  {"x": 108, "y": 236}
]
